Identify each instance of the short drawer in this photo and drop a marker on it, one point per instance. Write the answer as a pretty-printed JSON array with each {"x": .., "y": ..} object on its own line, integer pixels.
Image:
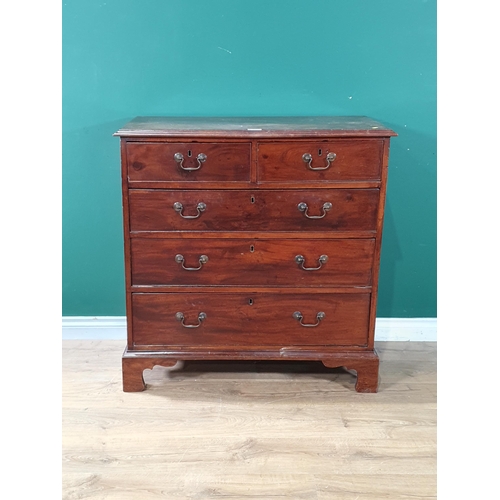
[
  {"x": 336, "y": 160},
  {"x": 266, "y": 210},
  {"x": 260, "y": 319},
  {"x": 268, "y": 262},
  {"x": 188, "y": 162}
]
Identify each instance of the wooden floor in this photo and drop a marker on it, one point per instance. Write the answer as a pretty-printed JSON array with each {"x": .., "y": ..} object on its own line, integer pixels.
[{"x": 212, "y": 430}]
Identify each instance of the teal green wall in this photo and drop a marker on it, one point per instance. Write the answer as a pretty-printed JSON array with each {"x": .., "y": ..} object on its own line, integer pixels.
[{"x": 123, "y": 58}]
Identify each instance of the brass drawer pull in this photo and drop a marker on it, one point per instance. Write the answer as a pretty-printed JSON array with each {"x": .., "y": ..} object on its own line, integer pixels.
[
  {"x": 298, "y": 316},
  {"x": 179, "y": 158},
  {"x": 307, "y": 158},
  {"x": 201, "y": 207},
  {"x": 300, "y": 260},
  {"x": 302, "y": 206},
  {"x": 201, "y": 317},
  {"x": 180, "y": 260}
]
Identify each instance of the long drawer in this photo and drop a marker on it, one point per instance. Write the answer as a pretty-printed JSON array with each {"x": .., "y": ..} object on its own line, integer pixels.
[
  {"x": 247, "y": 210},
  {"x": 265, "y": 262},
  {"x": 246, "y": 320}
]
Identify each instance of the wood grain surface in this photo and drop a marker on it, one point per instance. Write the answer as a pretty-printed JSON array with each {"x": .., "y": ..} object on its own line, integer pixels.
[
  {"x": 268, "y": 262},
  {"x": 356, "y": 159},
  {"x": 251, "y": 319},
  {"x": 253, "y": 210},
  {"x": 260, "y": 127},
  {"x": 149, "y": 161},
  {"x": 248, "y": 430}
]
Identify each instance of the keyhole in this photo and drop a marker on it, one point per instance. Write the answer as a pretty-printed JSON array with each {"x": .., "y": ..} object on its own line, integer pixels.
[
  {"x": 320, "y": 152},
  {"x": 252, "y": 248},
  {"x": 252, "y": 199},
  {"x": 190, "y": 153},
  {"x": 250, "y": 302}
]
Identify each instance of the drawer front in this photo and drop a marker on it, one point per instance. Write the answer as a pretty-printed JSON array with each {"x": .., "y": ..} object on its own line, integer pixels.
[
  {"x": 189, "y": 162},
  {"x": 246, "y": 320},
  {"x": 270, "y": 262},
  {"x": 336, "y": 160},
  {"x": 240, "y": 210}
]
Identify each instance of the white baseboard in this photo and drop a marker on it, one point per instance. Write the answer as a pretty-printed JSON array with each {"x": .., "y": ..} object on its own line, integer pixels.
[
  {"x": 115, "y": 328},
  {"x": 94, "y": 328},
  {"x": 404, "y": 329}
]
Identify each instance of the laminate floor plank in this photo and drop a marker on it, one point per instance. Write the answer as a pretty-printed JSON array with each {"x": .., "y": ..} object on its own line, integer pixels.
[{"x": 283, "y": 430}]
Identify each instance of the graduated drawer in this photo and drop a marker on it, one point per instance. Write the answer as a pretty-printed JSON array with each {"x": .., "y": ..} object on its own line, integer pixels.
[
  {"x": 272, "y": 262},
  {"x": 265, "y": 210},
  {"x": 237, "y": 319},
  {"x": 156, "y": 161},
  {"x": 351, "y": 160}
]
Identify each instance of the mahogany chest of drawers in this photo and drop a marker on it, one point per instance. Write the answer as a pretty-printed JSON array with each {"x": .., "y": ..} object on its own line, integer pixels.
[{"x": 252, "y": 238}]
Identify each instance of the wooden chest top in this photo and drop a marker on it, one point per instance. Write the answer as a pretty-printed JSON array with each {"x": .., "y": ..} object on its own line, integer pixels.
[{"x": 255, "y": 127}]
